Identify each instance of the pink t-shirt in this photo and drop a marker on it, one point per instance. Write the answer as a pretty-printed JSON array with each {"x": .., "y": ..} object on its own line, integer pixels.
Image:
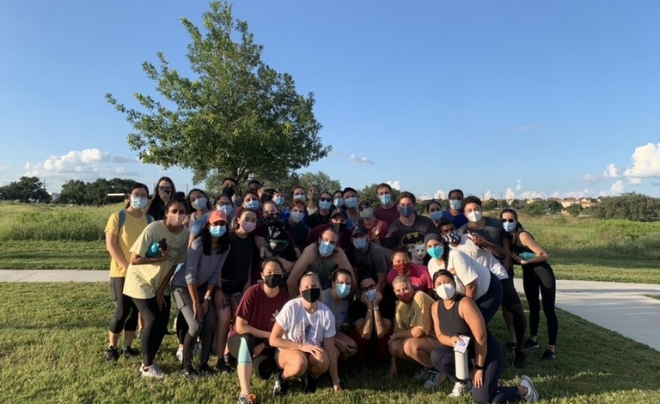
[{"x": 419, "y": 278}]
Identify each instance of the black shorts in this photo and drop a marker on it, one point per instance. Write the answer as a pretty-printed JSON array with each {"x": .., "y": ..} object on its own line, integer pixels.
[{"x": 510, "y": 296}]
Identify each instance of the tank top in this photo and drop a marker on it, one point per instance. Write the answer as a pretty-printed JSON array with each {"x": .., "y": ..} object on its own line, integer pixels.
[
  {"x": 517, "y": 248},
  {"x": 323, "y": 268},
  {"x": 451, "y": 323}
]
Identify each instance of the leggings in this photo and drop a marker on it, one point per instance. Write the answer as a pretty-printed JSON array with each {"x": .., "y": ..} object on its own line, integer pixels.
[
  {"x": 264, "y": 364},
  {"x": 443, "y": 360},
  {"x": 490, "y": 302},
  {"x": 541, "y": 277},
  {"x": 189, "y": 328},
  {"x": 125, "y": 316},
  {"x": 155, "y": 326}
]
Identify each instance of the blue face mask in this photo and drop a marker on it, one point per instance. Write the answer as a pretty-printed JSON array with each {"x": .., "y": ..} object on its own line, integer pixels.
[
  {"x": 279, "y": 200},
  {"x": 371, "y": 295},
  {"x": 436, "y": 216},
  {"x": 385, "y": 199},
  {"x": 360, "y": 243},
  {"x": 436, "y": 252},
  {"x": 199, "y": 203},
  {"x": 339, "y": 202},
  {"x": 325, "y": 248},
  {"x": 217, "y": 231},
  {"x": 254, "y": 205},
  {"x": 342, "y": 290},
  {"x": 455, "y": 204},
  {"x": 406, "y": 211},
  {"x": 508, "y": 227},
  {"x": 228, "y": 209},
  {"x": 325, "y": 205},
  {"x": 351, "y": 203}
]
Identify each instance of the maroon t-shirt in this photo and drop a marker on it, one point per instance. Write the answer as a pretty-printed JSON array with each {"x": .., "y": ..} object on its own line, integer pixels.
[
  {"x": 387, "y": 215},
  {"x": 260, "y": 310}
]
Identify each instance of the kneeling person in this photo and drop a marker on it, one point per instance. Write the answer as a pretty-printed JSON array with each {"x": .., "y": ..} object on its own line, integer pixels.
[
  {"x": 372, "y": 318},
  {"x": 336, "y": 298}
]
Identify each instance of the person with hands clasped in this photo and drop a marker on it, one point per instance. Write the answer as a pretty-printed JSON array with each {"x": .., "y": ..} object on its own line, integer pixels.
[
  {"x": 304, "y": 334},
  {"x": 148, "y": 278},
  {"x": 456, "y": 315}
]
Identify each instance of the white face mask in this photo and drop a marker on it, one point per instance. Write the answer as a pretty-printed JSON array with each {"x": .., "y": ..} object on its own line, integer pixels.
[
  {"x": 297, "y": 216},
  {"x": 138, "y": 202},
  {"x": 474, "y": 216},
  {"x": 445, "y": 291}
]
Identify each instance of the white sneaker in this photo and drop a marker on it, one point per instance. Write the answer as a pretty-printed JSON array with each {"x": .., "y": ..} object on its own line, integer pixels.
[
  {"x": 434, "y": 380},
  {"x": 179, "y": 354},
  {"x": 152, "y": 371},
  {"x": 460, "y": 389},
  {"x": 421, "y": 374},
  {"x": 532, "y": 395}
]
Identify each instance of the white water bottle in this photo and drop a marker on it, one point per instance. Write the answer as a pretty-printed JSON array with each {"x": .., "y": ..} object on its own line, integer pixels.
[{"x": 461, "y": 358}]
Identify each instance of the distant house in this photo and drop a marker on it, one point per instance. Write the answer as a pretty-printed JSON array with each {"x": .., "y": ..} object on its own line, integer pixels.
[
  {"x": 588, "y": 202},
  {"x": 567, "y": 202},
  {"x": 532, "y": 200}
]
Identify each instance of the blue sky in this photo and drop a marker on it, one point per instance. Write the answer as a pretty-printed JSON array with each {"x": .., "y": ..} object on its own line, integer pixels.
[{"x": 527, "y": 98}]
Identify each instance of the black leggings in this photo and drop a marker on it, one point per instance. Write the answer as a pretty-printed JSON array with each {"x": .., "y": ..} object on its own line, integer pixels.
[
  {"x": 443, "y": 360},
  {"x": 125, "y": 316},
  {"x": 155, "y": 326},
  {"x": 541, "y": 277},
  {"x": 490, "y": 302}
]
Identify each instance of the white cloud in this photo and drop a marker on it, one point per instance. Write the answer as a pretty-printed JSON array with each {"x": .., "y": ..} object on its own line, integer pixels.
[
  {"x": 355, "y": 159},
  {"x": 394, "y": 184},
  {"x": 488, "y": 195},
  {"x": 525, "y": 128},
  {"x": 645, "y": 161},
  {"x": 87, "y": 164},
  {"x": 440, "y": 194},
  {"x": 611, "y": 172},
  {"x": 510, "y": 194},
  {"x": 519, "y": 185},
  {"x": 591, "y": 178},
  {"x": 531, "y": 195},
  {"x": 616, "y": 189},
  {"x": 634, "y": 181}
]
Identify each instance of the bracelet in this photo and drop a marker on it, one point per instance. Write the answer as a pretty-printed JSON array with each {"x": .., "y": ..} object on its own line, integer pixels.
[
  {"x": 477, "y": 367},
  {"x": 376, "y": 308},
  {"x": 336, "y": 382},
  {"x": 207, "y": 298}
]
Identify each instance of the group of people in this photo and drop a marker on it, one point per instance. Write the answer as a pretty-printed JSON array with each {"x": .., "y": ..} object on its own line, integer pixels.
[{"x": 292, "y": 285}]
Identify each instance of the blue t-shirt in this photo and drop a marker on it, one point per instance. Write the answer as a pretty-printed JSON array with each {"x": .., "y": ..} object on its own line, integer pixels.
[{"x": 458, "y": 221}]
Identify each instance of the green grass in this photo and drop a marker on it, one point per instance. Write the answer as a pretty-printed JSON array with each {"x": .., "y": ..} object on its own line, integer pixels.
[{"x": 52, "y": 340}]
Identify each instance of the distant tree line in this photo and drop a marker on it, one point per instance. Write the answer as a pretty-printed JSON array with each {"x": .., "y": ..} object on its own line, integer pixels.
[{"x": 26, "y": 189}]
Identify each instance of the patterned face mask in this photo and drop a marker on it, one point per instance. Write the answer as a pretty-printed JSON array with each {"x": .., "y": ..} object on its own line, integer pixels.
[
  {"x": 452, "y": 237},
  {"x": 402, "y": 268}
]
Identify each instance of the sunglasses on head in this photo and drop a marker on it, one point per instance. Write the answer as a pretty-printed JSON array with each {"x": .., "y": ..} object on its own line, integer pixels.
[{"x": 508, "y": 220}]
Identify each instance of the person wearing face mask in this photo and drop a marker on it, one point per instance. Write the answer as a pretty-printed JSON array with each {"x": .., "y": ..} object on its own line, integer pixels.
[
  {"x": 279, "y": 197},
  {"x": 350, "y": 196},
  {"x": 273, "y": 240},
  {"x": 122, "y": 230},
  {"x": 321, "y": 258},
  {"x": 297, "y": 194},
  {"x": 472, "y": 279},
  {"x": 255, "y": 317},
  {"x": 408, "y": 224},
  {"x": 338, "y": 200},
  {"x": 235, "y": 279},
  {"x": 402, "y": 265},
  {"x": 372, "y": 317},
  {"x": 304, "y": 332},
  {"x": 387, "y": 211},
  {"x": 413, "y": 337},
  {"x": 538, "y": 277},
  {"x": 456, "y": 315},
  {"x": 294, "y": 223},
  {"x": 337, "y": 299},
  {"x": 338, "y": 224},
  {"x": 377, "y": 228},
  {"x": 165, "y": 190},
  {"x": 266, "y": 193},
  {"x": 454, "y": 212},
  {"x": 148, "y": 278},
  {"x": 322, "y": 215},
  {"x": 229, "y": 187},
  {"x": 434, "y": 210},
  {"x": 199, "y": 205},
  {"x": 369, "y": 258},
  {"x": 193, "y": 287},
  {"x": 255, "y": 187},
  {"x": 222, "y": 204},
  {"x": 251, "y": 201},
  {"x": 313, "y": 195}
]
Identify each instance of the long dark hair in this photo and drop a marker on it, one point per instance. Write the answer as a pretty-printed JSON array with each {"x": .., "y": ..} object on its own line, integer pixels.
[
  {"x": 190, "y": 207},
  {"x": 207, "y": 240},
  {"x": 135, "y": 186},
  {"x": 519, "y": 227},
  {"x": 157, "y": 209}
]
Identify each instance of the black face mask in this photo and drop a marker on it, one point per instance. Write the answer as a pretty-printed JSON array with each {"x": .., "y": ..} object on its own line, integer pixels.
[
  {"x": 229, "y": 191},
  {"x": 273, "y": 281},
  {"x": 271, "y": 219},
  {"x": 341, "y": 228},
  {"x": 311, "y": 295}
]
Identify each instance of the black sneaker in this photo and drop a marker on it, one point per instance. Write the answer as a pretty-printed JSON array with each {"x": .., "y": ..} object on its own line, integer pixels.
[
  {"x": 281, "y": 385},
  {"x": 129, "y": 353},
  {"x": 518, "y": 359},
  {"x": 188, "y": 372},
  {"x": 221, "y": 367},
  {"x": 309, "y": 383},
  {"x": 231, "y": 362},
  {"x": 548, "y": 355},
  {"x": 531, "y": 344},
  {"x": 511, "y": 346},
  {"x": 111, "y": 354},
  {"x": 205, "y": 370}
]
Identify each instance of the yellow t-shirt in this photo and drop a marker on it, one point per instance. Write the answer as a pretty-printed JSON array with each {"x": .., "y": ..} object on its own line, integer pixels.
[
  {"x": 143, "y": 280},
  {"x": 130, "y": 231},
  {"x": 415, "y": 314}
]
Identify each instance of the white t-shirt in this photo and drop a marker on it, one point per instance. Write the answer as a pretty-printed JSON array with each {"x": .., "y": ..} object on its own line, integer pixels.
[
  {"x": 466, "y": 270},
  {"x": 433, "y": 267},
  {"x": 303, "y": 327},
  {"x": 484, "y": 257}
]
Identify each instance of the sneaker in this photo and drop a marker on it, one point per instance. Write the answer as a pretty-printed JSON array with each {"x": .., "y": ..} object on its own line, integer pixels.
[
  {"x": 152, "y": 371},
  {"x": 188, "y": 372},
  {"x": 548, "y": 355},
  {"x": 309, "y": 383},
  {"x": 422, "y": 373},
  {"x": 230, "y": 361},
  {"x": 532, "y": 395},
  {"x": 179, "y": 354},
  {"x": 531, "y": 344},
  {"x": 129, "y": 352},
  {"x": 518, "y": 361},
  {"x": 460, "y": 389},
  {"x": 511, "y": 345},
  {"x": 205, "y": 370},
  {"x": 248, "y": 399},
  {"x": 434, "y": 380},
  {"x": 221, "y": 367},
  {"x": 111, "y": 354},
  {"x": 281, "y": 385},
  {"x": 198, "y": 349}
]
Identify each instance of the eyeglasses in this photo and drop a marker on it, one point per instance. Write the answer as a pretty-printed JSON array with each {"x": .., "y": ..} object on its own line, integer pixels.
[
  {"x": 165, "y": 189},
  {"x": 325, "y": 199},
  {"x": 508, "y": 220},
  {"x": 370, "y": 287}
]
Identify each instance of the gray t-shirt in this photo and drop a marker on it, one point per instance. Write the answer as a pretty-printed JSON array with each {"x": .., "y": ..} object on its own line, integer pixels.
[
  {"x": 492, "y": 231},
  {"x": 199, "y": 268},
  {"x": 372, "y": 262},
  {"x": 338, "y": 308}
]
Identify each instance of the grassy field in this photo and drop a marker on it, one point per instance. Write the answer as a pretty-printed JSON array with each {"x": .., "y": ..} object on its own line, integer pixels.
[
  {"x": 54, "y": 355},
  {"x": 49, "y": 237}
]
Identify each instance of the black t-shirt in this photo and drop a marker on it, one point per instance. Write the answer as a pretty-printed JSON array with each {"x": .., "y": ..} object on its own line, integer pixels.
[
  {"x": 398, "y": 234},
  {"x": 316, "y": 219},
  {"x": 492, "y": 231},
  {"x": 357, "y": 310},
  {"x": 237, "y": 267},
  {"x": 299, "y": 233},
  {"x": 157, "y": 209}
]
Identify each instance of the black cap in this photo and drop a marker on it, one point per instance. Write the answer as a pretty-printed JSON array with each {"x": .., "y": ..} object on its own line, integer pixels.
[
  {"x": 359, "y": 229},
  {"x": 338, "y": 211}
]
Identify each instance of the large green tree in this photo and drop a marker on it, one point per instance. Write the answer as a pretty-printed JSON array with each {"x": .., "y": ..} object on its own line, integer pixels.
[
  {"x": 237, "y": 116},
  {"x": 24, "y": 189},
  {"x": 630, "y": 206},
  {"x": 94, "y": 193}
]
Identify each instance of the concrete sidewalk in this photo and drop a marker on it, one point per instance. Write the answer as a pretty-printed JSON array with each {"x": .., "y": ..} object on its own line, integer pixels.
[{"x": 620, "y": 307}]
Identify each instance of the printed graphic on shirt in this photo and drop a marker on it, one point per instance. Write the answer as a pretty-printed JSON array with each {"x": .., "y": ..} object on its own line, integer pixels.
[{"x": 414, "y": 242}]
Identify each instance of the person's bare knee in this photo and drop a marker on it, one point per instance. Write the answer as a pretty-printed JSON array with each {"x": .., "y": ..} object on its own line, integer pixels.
[
  {"x": 396, "y": 349},
  {"x": 294, "y": 363},
  {"x": 319, "y": 364}
]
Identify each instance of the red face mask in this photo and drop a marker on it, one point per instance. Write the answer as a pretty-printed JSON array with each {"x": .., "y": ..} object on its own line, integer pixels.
[
  {"x": 405, "y": 297},
  {"x": 402, "y": 268}
]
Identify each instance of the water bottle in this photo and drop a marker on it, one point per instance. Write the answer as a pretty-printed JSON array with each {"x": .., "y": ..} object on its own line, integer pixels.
[{"x": 461, "y": 359}]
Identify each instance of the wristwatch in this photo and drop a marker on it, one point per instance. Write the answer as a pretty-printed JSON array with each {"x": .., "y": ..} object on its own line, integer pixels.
[{"x": 207, "y": 298}]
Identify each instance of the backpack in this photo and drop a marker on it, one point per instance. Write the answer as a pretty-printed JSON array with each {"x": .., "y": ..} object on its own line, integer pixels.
[{"x": 122, "y": 219}]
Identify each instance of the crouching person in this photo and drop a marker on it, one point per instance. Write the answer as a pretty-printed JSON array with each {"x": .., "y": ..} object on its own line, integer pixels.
[
  {"x": 304, "y": 335},
  {"x": 337, "y": 300}
]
